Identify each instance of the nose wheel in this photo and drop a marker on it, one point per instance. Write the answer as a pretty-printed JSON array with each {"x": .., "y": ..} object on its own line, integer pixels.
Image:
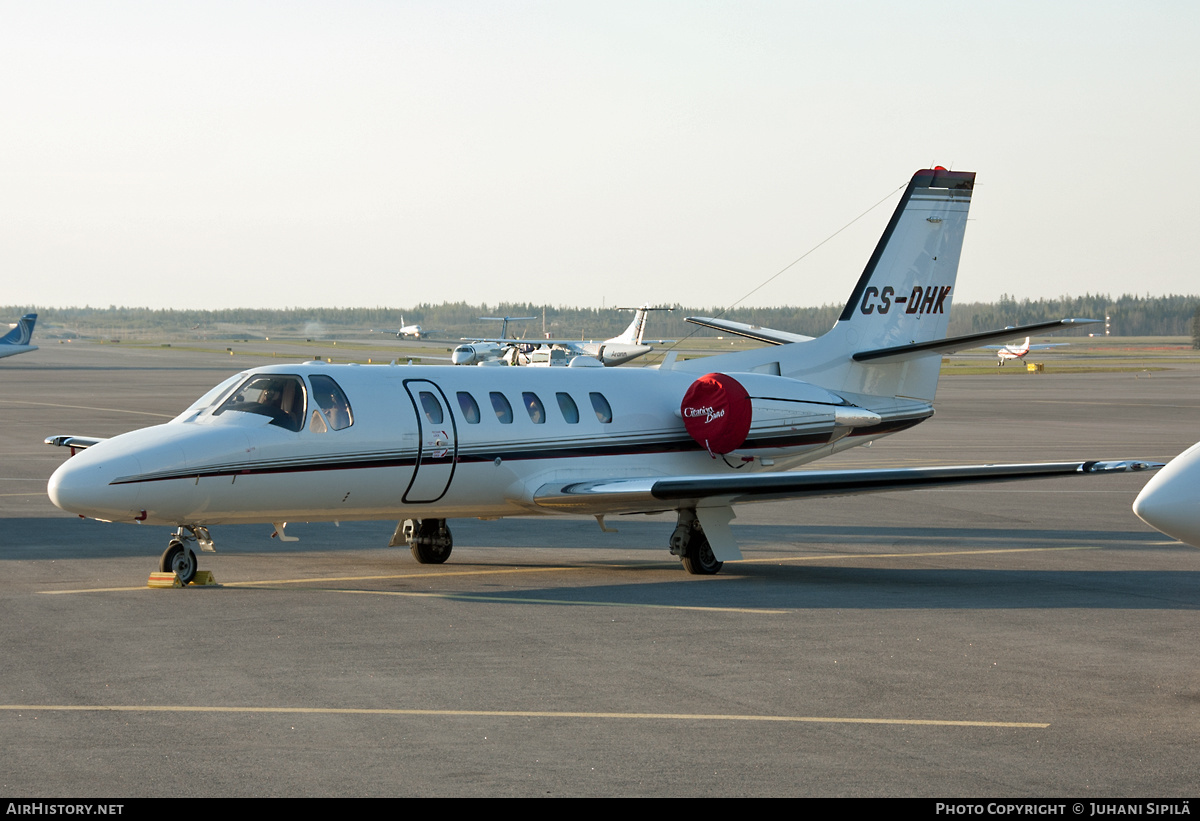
[{"x": 179, "y": 559}]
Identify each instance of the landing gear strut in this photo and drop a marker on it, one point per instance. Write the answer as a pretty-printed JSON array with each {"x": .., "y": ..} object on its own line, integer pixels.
[
  {"x": 428, "y": 539},
  {"x": 689, "y": 543},
  {"x": 180, "y": 559}
]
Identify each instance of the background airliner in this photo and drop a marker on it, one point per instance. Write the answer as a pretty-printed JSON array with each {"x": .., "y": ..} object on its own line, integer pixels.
[
  {"x": 17, "y": 340},
  {"x": 320, "y": 442}
]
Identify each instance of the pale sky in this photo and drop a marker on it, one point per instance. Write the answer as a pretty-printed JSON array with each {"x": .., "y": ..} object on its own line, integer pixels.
[{"x": 296, "y": 154}]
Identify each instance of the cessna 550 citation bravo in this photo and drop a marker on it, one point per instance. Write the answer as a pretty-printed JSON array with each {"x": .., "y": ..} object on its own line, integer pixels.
[{"x": 423, "y": 444}]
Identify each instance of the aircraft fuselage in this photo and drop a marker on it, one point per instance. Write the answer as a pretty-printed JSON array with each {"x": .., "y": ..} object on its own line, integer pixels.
[{"x": 440, "y": 442}]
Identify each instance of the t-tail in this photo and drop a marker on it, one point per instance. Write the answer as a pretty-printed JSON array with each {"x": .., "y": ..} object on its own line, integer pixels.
[
  {"x": 22, "y": 333},
  {"x": 902, "y": 300},
  {"x": 633, "y": 334}
]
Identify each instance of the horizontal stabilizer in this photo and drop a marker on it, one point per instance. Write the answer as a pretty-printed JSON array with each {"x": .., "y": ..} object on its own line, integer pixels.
[
  {"x": 768, "y": 335},
  {"x": 652, "y": 494},
  {"x": 959, "y": 343}
]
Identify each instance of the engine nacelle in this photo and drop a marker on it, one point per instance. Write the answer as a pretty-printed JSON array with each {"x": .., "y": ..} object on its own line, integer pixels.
[{"x": 752, "y": 411}]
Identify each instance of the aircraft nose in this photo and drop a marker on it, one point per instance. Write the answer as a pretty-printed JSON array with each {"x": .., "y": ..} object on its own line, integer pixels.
[
  {"x": 83, "y": 485},
  {"x": 1168, "y": 502}
]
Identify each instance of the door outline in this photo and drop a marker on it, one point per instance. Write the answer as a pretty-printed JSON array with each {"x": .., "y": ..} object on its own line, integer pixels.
[{"x": 426, "y": 452}]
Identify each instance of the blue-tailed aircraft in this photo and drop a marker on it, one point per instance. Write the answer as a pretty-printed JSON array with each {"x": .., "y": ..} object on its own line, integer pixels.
[{"x": 18, "y": 339}]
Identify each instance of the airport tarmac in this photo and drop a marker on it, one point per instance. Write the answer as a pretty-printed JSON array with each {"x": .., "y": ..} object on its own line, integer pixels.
[{"x": 1014, "y": 640}]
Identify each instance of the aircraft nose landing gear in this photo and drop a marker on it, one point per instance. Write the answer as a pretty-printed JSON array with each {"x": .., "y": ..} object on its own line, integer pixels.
[
  {"x": 428, "y": 539},
  {"x": 180, "y": 559}
]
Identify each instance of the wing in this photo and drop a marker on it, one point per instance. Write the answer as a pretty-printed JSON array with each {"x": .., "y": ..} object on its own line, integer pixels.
[
  {"x": 713, "y": 496},
  {"x": 651, "y": 494}
]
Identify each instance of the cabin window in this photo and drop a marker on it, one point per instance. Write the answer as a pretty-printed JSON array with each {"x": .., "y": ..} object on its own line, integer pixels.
[
  {"x": 277, "y": 396},
  {"x": 537, "y": 413},
  {"x": 601, "y": 407},
  {"x": 503, "y": 409},
  {"x": 332, "y": 401},
  {"x": 433, "y": 408},
  {"x": 570, "y": 410},
  {"x": 470, "y": 408}
]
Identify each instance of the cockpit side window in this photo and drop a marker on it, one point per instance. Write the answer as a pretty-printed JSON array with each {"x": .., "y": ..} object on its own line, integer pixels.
[
  {"x": 332, "y": 401},
  {"x": 278, "y": 396}
]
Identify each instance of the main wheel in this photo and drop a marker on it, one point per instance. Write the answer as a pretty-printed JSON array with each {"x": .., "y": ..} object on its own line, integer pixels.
[
  {"x": 427, "y": 547},
  {"x": 179, "y": 560},
  {"x": 699, "y": 559}
]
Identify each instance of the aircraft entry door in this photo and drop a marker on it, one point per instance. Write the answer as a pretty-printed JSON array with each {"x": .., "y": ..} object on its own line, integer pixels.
[{"x": 438, "y": 438}]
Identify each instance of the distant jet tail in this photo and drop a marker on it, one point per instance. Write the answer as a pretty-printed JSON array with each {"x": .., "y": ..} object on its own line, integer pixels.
[
  {"x": 633, "y": 334},
  {"x": 21, "y": 334},
  {"x": 886, "y": 340}
]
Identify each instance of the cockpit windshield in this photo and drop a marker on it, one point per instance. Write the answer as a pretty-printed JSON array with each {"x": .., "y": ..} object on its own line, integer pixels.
[
  {"x": 210, "y": 399},
  {"x": 277, "y": 396}
]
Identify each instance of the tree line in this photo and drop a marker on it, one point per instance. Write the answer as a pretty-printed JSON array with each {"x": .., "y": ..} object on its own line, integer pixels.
[{"x": 1128, "y": 315}]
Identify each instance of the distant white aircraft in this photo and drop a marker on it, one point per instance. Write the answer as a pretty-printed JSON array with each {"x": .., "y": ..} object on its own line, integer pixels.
[
  {"x": 1170, "y": 502},
  {"x": 622, "y": 348},
  {"x": 1004, "y": 353},
  {"x": 406, "y": 330},
  {"x": 320, "y": 442},
  {"x": 495, "y": 351},
  {"x": 17, "y": 340}
]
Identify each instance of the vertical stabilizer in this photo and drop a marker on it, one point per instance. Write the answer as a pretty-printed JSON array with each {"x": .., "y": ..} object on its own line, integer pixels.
[
  {"x": 903, "y": 297},
  {"x": 906, "y": 290},
  {"x": 633, "y": 334},
  {"x": 21, "y": 334}
]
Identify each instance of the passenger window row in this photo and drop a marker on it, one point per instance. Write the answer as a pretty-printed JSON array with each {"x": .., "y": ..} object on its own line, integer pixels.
[{"x": 533, "y": 406}]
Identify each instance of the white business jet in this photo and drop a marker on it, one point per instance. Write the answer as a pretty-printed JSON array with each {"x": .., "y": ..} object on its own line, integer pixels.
[
  {"x": 1170, "y": 502},
  {"x": 424, "y": 444},
  {"x": 18, "y": 339}
]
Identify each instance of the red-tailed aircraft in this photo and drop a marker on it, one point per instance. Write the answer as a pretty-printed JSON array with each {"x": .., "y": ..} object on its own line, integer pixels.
[
  {"x": 319, "y": 442},
  {"x": 1004, "y": 353}
]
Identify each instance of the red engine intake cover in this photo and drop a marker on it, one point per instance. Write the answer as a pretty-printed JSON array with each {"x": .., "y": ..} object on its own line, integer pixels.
[{"x": 716, "y": 412}]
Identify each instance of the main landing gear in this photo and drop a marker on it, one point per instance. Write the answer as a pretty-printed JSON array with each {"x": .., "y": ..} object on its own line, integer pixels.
[
  {"x": 689, "y": 543},
  {"x": 180, "y": 559},
  {"x": 428, "y": 539}
]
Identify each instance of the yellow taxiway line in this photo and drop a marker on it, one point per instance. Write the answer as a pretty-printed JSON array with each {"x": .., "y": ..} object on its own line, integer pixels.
[{"x": 920, "y": 722}]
